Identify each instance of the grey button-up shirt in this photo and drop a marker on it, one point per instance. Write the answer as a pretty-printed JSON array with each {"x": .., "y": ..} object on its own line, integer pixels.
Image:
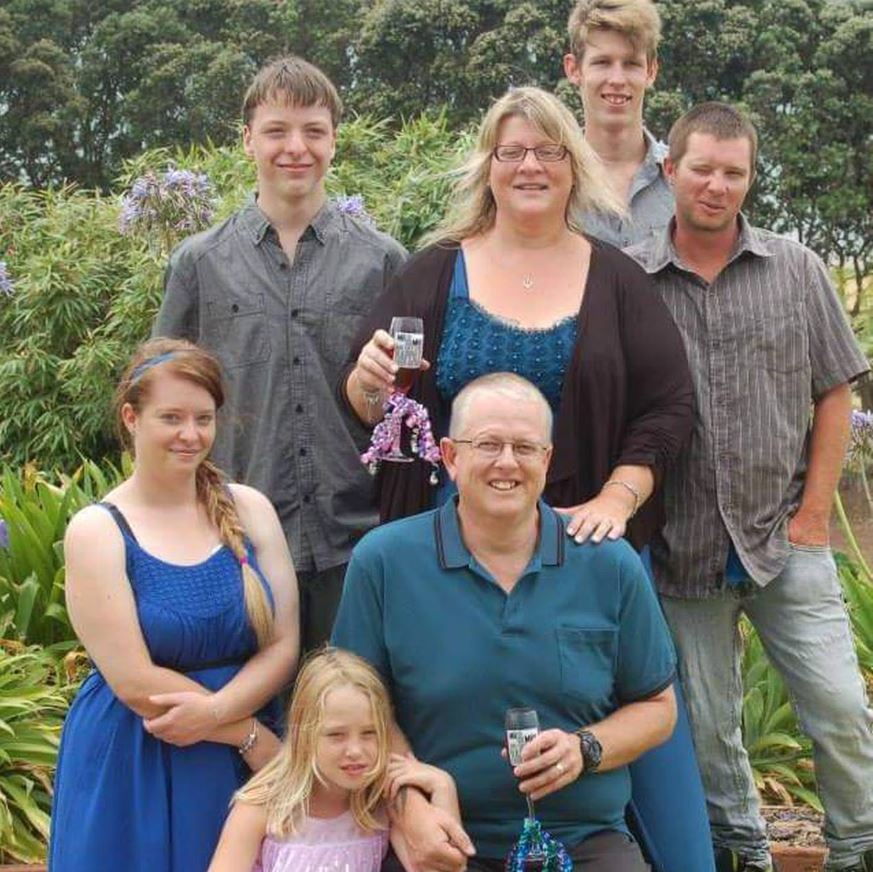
[
  {"x": 282, "y": 331},
  {"x": 650, "y": 206},
  {"x": 764, "y": 340}
]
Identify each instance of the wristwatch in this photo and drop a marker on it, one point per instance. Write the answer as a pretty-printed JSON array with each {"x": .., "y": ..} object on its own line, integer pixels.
[{"x": 592, "y": 750}]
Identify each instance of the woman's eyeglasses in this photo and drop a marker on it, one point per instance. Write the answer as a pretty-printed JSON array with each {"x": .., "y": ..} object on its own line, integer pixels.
[{"x": 517, "y": 153}]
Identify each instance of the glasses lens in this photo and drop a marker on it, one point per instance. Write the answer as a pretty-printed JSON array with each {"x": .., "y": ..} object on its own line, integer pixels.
[
  {"x": 525, "y": 450},
  {"x": 509, "y": 152},
  {"x": 550, "y": 152}
]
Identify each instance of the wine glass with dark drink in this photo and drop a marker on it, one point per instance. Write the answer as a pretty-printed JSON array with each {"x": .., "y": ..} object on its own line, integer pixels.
[{"x": 408, "y": 336}]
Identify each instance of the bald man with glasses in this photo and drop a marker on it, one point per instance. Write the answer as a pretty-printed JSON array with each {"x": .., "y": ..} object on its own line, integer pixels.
[{"x": 487, "y": 604}]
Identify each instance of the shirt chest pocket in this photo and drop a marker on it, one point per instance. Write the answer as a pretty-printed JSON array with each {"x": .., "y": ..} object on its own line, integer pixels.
[
  {"x": 779, "y": 340},
  {"x": 588, "y": 662},
  {"x": 236, "y": 329}
]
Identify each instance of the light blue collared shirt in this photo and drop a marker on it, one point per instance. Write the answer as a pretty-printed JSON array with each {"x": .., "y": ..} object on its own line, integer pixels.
[{"x": 650, "y": 206}]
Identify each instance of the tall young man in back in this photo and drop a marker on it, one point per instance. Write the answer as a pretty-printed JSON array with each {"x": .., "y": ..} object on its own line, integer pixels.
[
  {"x": 613, "y": 61},
  {"x": 277, "y": 291}
]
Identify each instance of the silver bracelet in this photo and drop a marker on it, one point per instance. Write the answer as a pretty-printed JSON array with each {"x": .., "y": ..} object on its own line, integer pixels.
[
  {"x": 628, "y": 486},
  {"x": 250, "y": 740}
]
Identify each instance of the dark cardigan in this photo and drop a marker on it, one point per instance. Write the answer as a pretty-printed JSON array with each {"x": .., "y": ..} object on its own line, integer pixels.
[{"x": 627, "y": 395}]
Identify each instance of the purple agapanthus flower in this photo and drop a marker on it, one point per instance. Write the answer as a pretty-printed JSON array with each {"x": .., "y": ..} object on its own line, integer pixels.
[
  {"x": 7, "y": 286},
  {"x": 168, "y": 206},
  {"x": 353, "y": 204},
  {"x": 4, "y": 534},
  {"x": 861, "y": 437}
]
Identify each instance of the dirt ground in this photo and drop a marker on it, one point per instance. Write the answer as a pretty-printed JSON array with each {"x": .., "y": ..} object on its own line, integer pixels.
[{"x": 799, "y": 826}]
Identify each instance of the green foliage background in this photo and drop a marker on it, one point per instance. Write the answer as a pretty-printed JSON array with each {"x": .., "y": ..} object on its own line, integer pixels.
[
  {"x": 87, "y": 84},
  {"x": 93, "y": 93},
  {"x": 85, "y": 295}
]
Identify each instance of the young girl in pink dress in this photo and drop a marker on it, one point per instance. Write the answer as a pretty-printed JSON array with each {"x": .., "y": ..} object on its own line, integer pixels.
[{"x": 318, "y": 806}]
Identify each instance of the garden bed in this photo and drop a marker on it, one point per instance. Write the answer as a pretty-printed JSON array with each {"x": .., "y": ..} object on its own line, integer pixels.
[{"x": 795, "y": 838}]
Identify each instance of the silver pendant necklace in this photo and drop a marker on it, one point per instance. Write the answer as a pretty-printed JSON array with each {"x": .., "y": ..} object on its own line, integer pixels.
[{"x": 527, "y": 281}]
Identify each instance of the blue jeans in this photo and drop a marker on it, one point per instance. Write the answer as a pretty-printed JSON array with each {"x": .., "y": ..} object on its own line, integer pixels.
[{"x": 803, "y": 625}]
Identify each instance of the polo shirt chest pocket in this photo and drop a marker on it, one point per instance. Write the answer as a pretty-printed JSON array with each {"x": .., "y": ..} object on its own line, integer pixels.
[
  {"x": 237, "y": 329},
  {"x": 588, "y": 657}
]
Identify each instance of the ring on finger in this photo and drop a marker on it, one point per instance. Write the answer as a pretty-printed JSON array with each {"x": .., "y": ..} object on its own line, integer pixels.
[{"x": 560, "y": 767}]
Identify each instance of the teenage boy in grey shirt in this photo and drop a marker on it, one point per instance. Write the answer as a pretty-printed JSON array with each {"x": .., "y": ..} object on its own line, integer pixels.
[{"x": 277, "y": 291}]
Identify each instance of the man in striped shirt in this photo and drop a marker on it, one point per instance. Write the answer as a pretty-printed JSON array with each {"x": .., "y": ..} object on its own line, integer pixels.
[{"x": 749, "y": 503}]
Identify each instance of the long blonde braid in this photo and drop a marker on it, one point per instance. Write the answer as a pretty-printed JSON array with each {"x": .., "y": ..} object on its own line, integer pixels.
[{"x": 221, "y": 511}]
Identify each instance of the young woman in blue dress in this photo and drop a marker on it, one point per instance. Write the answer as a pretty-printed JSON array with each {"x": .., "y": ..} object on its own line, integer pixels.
[{"x": 182, "y": 590}]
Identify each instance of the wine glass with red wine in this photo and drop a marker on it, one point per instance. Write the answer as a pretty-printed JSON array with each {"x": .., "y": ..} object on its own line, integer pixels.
[{"x": 408, "y": 336}]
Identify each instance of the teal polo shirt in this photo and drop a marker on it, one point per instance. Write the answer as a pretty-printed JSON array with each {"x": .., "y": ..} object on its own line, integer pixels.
[{"x": 580, "y": 634}]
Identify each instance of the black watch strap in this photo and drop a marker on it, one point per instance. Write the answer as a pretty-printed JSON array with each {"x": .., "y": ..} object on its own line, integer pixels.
[{"x": 592, "y": 750}]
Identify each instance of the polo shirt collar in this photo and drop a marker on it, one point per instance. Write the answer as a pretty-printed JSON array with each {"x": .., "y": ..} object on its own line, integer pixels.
[
  {"x": 663, "y": 253},
  {"x": 452, "y": 553},
  {"x": 258, "y": 225}
]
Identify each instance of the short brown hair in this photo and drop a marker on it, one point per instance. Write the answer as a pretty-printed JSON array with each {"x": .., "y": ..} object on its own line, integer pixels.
[
  {"x": 720, "y": 120},
  {"x": 636, "y": 20},
  {"x": 292, "y": 80}
]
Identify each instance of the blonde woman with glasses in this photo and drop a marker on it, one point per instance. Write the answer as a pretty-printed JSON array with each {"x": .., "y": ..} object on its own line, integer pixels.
[{"x": 508, "y": 282}]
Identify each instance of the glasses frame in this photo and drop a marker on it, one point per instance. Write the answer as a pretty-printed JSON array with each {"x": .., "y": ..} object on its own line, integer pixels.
[
  {"x": 475, "y": 443},
  {"x": 536, "y": 148}
]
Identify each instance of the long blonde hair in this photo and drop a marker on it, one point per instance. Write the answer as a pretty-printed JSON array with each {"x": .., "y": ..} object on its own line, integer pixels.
[
  {"x": 284, "y": 785},
  {"x": 188, "y": 361},
  {"x": 472, "y": 208}
]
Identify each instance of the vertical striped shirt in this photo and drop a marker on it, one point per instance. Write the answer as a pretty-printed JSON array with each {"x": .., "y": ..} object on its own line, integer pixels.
[{"x": 765, "y": 339}]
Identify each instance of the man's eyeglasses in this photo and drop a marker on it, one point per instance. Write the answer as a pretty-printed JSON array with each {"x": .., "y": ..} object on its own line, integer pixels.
[
  {"x": 550, "y": 153},
  {"x": 493, "y": 448}
]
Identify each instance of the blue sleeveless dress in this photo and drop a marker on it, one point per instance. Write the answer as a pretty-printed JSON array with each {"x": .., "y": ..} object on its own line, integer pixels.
[
  {"x": 123, "y": 799},
  {"x": 668, "y": 808}
]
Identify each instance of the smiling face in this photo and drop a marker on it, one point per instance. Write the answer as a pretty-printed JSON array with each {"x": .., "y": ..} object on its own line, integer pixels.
[
  {"x": 347, "y": 746},
  {"x": 504, "y": 486},
  {"x": 530, "y": 187},
  {"x": 292, "y": 147},
  {"x": 175, "y": 426},
  {"x": 612, "y": 77},
  {"x": 710, "y": 182}
]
